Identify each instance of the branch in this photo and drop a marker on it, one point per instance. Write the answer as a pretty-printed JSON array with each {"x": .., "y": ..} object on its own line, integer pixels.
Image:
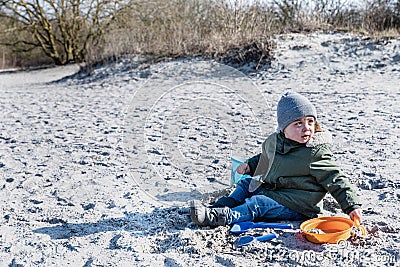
[{"x": 15, "y": 45}]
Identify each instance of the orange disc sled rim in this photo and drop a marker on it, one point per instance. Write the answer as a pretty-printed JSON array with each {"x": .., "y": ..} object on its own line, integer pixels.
[{"x": 335, "y": 229}]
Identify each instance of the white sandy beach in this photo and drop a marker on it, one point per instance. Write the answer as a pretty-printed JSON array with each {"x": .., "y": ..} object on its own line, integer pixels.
[{"x": 97, "y": 170}]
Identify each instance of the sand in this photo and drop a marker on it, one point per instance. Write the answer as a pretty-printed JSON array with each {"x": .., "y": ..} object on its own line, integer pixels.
[{"x": 97, "y": 170}]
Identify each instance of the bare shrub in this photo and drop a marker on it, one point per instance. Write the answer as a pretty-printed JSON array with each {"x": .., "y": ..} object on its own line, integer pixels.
[
  {"x": 292, "y": 14},
  {"x": 191, "y": 28},
  {"x": 62, "y": 29},
  {"x": 179, "y": 28},
  {"x": 381, "y": 15}
]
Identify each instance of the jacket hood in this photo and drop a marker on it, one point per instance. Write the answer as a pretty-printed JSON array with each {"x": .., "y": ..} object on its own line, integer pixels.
[
  {"x": 284, "y": 145},
  {"x": 320, "y": 138}
]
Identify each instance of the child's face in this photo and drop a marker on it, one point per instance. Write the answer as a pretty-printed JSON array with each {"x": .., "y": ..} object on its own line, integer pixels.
[{"x": 300, "y": 130}]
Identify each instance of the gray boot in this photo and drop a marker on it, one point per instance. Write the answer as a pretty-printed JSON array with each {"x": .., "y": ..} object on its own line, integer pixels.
[{"x": 203, "y": 216}]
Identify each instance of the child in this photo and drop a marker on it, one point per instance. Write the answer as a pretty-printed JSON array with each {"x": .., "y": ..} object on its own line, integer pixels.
[{"x": 290, "y": 177}]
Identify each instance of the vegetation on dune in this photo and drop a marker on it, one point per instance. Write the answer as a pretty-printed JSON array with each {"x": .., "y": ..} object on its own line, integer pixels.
[{"x": 37, "y": 32}]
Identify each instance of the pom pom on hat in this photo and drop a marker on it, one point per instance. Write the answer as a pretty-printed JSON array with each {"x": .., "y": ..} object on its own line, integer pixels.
[{"x": 293, "y": 106}]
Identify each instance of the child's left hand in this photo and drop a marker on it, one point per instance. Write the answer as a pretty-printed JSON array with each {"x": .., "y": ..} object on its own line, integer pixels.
[{"x": 356, "y": 214}]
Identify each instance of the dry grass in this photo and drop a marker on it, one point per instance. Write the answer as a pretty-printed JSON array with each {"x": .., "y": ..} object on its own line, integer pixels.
[{"x": 213, "y": 29}]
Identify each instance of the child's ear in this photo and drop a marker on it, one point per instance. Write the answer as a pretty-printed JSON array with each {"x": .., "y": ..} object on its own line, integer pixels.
[{"x": 317, "y": 127}]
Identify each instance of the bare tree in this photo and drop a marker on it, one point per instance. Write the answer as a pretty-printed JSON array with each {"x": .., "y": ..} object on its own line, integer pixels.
[{"x": 63, "y": 29}]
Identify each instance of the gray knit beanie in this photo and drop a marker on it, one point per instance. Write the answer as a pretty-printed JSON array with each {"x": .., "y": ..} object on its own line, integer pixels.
[{"x": 292, "y": 106}]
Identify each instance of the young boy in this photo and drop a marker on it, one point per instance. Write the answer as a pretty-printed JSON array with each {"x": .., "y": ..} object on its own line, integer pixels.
[{"x": 290, "y": 177}]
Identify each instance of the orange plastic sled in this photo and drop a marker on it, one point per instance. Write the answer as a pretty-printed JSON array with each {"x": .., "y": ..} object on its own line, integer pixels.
[{"x": 333, "y": 229}]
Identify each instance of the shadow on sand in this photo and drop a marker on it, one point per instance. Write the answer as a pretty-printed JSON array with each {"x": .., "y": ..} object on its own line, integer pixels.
[{"x": 138, "y": 224}]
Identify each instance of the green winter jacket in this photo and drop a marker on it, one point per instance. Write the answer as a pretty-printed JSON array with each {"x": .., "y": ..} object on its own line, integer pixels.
[{"x": 301, "y": 174}]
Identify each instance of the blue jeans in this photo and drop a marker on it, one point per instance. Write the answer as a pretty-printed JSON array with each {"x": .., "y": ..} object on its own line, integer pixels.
[{"x": 256, "y": 206}]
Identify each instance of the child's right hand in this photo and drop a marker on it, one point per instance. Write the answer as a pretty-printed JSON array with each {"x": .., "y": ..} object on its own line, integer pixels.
[{"x": 243, "y": 168}]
